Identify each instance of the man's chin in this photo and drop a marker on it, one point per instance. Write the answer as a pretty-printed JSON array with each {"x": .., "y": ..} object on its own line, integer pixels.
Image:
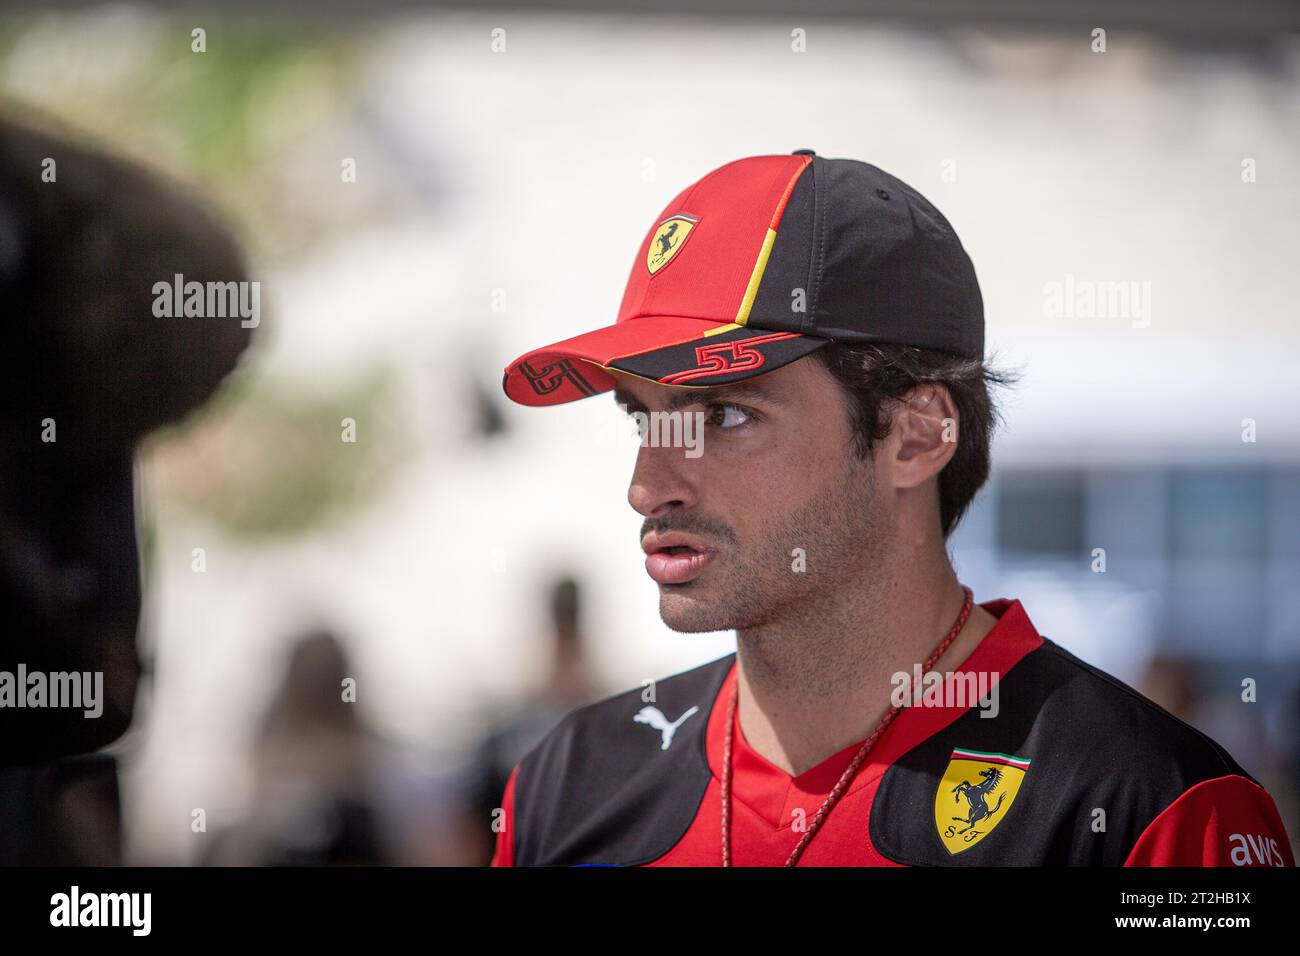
[{"x": 690, "y": 614}]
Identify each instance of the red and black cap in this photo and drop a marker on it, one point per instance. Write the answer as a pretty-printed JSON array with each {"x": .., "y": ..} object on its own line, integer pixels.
[{"x": 761, "y": 262}]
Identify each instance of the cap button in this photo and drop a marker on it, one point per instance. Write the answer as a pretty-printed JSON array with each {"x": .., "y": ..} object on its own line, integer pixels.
[{"x": 803, "y": 152}]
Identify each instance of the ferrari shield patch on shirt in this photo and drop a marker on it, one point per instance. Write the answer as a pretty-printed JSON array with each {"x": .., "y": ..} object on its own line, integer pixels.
[{"x": 974, "y": 796}]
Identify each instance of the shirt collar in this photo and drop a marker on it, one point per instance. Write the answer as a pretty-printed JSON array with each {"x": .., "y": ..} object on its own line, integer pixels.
[{"x": 774, "y": 794}]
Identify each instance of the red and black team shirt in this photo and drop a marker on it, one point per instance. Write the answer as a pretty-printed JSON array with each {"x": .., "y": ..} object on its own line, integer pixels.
[{"x": 1077, "y": 768}]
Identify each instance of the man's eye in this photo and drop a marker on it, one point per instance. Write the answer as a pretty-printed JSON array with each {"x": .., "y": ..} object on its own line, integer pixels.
[{"x": 728, "y": 416}]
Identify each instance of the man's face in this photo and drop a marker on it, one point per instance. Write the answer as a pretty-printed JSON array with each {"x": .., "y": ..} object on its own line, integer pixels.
[{"x": 775, "y": 516}]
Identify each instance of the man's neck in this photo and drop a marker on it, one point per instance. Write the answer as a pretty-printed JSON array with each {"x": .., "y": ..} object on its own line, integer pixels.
[{"x": 809, "y": 688}]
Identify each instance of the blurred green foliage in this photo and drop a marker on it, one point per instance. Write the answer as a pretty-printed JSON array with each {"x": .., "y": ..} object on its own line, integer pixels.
[{"x": 274, "y": 462}]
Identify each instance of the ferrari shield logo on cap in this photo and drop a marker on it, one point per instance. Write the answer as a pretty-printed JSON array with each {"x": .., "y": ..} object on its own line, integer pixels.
[
  {"x": 670, "y": 235},
  {"x": 974, "y": 796}
]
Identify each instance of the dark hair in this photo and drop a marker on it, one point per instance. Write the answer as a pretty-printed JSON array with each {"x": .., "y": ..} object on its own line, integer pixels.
[{"x": 874, "y": 377}]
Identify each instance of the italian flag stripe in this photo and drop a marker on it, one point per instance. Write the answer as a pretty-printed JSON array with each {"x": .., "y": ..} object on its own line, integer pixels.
[{"x": 1020, "y": 762}]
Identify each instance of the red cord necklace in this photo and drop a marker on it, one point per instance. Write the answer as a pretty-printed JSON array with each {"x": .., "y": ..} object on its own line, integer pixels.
[{"x": 849, "y": 771}]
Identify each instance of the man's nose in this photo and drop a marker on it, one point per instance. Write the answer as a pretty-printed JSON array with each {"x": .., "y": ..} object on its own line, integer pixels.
[{"x": 664, "y": 478}]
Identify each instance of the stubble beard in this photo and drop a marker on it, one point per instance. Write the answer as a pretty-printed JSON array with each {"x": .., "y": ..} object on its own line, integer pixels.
[{"x": 756, "y": 583}]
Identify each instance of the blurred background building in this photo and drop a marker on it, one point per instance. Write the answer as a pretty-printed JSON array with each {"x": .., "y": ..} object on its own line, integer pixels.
[{"x": 400, "y": 174}]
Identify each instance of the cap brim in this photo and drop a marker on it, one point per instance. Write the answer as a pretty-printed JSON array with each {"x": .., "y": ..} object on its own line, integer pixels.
[{"x": 667, "y": 349}]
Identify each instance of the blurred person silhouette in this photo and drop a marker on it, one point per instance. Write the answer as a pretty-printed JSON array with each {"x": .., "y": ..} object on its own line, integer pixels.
[
  {"x": 568, "y": 684},
  {"x": 315, "y": 800},
  {"x": 87, "y": 370},
  {"x": 1175, "y": 684},
  {"x": 1214, "y": 708},
  {"x": 1171, "y": 682},
  {"x": 1205, "y": 702}
]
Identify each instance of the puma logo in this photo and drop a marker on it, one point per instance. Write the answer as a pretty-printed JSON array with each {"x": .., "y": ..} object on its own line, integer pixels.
[{"x": 654, "y": 717}]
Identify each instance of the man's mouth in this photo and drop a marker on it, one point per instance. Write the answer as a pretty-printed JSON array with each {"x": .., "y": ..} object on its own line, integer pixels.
[{"x": 675, "y": 558}]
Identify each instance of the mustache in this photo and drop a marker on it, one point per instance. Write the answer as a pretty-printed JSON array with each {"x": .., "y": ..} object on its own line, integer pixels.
[{"x": 690, "y": 524}]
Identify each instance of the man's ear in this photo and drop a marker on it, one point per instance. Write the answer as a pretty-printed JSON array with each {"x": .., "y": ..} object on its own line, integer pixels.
[{"x": 924, "y": 434}]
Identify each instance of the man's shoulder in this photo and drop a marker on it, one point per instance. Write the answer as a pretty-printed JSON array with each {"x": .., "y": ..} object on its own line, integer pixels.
[
  {"x": 1105, "y": 721},
  {"x": 619, "y": 780},
  {"x": 1081, "y": 763},
  {"x": 605, "y": 721},
  {"x": 1184, "y": 800}
]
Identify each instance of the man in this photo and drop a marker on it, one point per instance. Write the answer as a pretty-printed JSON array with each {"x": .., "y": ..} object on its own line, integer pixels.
[{"x": 823, "y": 322}]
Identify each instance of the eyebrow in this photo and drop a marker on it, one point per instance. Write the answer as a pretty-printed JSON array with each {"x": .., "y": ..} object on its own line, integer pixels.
[{"x": 684, "y": 396}]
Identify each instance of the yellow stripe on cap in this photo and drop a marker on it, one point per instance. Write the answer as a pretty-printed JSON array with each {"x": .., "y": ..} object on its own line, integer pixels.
[{"x": 751, "y": 290}]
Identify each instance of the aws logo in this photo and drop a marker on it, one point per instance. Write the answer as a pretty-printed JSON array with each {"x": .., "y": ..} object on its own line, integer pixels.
[
  {"x": 974, "y": 796},
  {"x": 1255, "y": 849},
  {"x": 668, "y": 239}
]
